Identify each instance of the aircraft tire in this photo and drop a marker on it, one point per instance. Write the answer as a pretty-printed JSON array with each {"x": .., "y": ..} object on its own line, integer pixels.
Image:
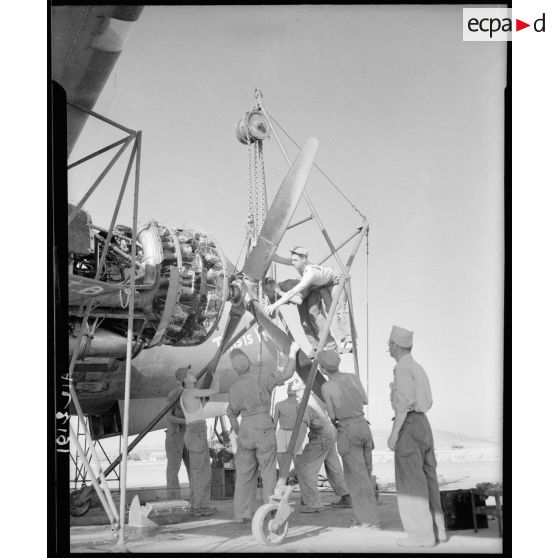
[
  {"x": 78, "y": 509},
  {"x": 260, "y": 523}
]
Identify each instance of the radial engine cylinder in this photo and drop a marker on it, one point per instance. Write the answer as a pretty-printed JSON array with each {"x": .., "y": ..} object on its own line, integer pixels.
[{"x": 181, "y": 284}]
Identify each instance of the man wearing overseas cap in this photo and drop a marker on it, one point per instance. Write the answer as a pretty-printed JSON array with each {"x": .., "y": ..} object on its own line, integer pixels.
[
  {"x": 174, "y": 440},
  {"x": 250, "y": 397},
  {"x": 320, "y": 450},
  {"x": 284, "y": 417},
  {"x": 345, "y": 398},
  {"x": 193, "y": 402},
  {"x": 418, "y": 494},
  {"x": 317, "y": 289}
]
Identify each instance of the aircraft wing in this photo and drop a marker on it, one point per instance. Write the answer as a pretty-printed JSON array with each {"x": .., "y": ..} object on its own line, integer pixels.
[{"x": 86, "y": 43}]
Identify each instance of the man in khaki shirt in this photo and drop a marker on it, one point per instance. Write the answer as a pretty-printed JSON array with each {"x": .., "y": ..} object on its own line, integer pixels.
[
  {"x": 418, "y": 494},
  {"x": 175, "y": 449},
  {"x": 345, "y": 398},
  {"x": 250, "y": 398}
]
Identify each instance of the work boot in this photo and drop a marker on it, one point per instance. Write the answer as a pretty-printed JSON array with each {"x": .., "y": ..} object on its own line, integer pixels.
[
  {"x": 344, "y": 502},
  {"x": 310, "y": 509},
  {"x": 203, "y": 512},
  {"x": 242, "y": 520}
]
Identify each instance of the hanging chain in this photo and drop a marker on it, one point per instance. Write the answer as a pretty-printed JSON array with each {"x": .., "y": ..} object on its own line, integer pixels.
[{"x": 251, "y": 223}]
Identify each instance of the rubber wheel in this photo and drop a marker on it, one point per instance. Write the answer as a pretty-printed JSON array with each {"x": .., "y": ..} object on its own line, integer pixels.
[
  {"x": 77, "y": 509},
  {"x": 260, "y": 526}
]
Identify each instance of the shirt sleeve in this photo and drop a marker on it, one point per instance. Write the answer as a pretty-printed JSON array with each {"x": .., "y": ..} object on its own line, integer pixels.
[
  {"x": 271, "y": 380},
  {"x": 403, "y": 391},
  {"x": 309, "y": 276},
  {"x": 174, "y": 393},
  {"x": 233, "y": 408},
  {"x": 231, "y": 412}
]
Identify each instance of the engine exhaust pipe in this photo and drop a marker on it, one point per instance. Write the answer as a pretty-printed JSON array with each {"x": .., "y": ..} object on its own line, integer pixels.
[{"x": 103, "y": 344}]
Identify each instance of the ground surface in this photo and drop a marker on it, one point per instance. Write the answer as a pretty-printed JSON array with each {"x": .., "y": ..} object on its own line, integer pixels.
[{"x": 325, "y": 532}]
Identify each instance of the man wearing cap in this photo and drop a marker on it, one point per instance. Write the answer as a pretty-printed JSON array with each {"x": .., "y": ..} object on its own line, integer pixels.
[
  {"x": 345, "y": 398},
  {"x": 192, "y": 402},
  {"x": 284, "y": 417},
  {"x": 320, "y": 450},
  {"x": 174, "y": 440},
  {"x": 250, "y": 397},
  {"x": 418, "y": 494},
  {"x": 317, "y": 287}
]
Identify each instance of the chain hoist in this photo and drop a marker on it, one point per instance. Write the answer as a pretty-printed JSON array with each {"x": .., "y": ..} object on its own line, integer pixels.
[{"x": 251, "y": 131}]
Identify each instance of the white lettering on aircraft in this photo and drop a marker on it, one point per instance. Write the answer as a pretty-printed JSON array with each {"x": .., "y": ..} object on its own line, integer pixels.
[{"x": 244, "y": 341}]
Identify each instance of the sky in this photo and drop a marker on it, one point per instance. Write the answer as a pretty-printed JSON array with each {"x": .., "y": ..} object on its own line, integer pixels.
[{"x": 410, "y": 123}]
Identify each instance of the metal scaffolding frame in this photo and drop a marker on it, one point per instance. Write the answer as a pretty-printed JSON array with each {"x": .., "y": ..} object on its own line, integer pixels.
[
  {"x": 98, "y": 478},
  {"x": 283, "y": 509},
  {"x": 363, "y": 229}
]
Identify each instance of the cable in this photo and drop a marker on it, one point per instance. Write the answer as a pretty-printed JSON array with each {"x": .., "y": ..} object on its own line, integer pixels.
[
  {"x": 367, "y": 322},
  {"x": 321, "y": 171}
]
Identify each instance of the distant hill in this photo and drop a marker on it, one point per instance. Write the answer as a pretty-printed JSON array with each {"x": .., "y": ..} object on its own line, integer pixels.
[{"x": 442, "y": 439}]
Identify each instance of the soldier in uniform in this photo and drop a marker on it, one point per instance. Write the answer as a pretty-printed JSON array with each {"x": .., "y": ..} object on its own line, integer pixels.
[{"x": 250, "y": 398}]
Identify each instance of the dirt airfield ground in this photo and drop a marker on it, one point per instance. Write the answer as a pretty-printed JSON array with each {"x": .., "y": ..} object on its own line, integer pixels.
[{"x": 325, "y": 532}]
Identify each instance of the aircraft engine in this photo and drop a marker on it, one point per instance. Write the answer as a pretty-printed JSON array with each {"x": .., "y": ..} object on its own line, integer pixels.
[{"x": 181, "y": 285}]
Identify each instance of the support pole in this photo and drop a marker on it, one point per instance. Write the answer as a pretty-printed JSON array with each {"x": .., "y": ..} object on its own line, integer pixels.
[
  {"x": 101, "y": 479},
  {"x": 100, "y": 178},
  {"x": 350, "y": 260},
  {"x": 367, "y": 324},
  {"x": 96, "y": 153},
  {"x": 124, "y": 468},
  {"x": 113, "y": 520},
  {"x": 313, "y": 211},
  {"x": 300, "y": 222},
  {"x": 101, "y": 117},
  {"x": 324, "y": 259},
  {"x": 115, "y": 214},
  {"x": 310, "y": 378},
  {"x": 103, "y": 258},
  {"x": 364, "y": 227}
]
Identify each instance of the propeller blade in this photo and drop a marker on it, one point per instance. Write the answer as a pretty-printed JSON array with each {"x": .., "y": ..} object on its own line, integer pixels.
[
  {"x": 205, "y": 376},
  {"x": 303, "y": 363},
  {"x": 231, "y": 269},
  {"x": 281, "y": 212}
]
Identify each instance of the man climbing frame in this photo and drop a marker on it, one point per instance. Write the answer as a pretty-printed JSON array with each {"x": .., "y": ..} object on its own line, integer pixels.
[{"x": 313, "y": 294}]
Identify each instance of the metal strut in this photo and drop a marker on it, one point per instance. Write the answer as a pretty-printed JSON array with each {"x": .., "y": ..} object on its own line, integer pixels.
[
  {"x": 285, "y": 510},
  {"x": 315, "y": 216},
  {"x": 100, "y": 484}
]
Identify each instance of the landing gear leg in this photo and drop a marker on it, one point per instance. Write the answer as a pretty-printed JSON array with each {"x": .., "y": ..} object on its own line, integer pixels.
[{"x": 269, "y": 524}]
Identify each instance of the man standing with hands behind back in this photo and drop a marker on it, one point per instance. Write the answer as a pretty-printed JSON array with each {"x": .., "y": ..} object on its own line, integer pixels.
[{"x": 418, "y": 494}]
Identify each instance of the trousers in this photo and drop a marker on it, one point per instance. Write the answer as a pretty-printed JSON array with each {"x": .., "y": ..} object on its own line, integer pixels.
[
  {"x": 195, "y": 440},
  {"x": 418, "y": 493},
  {"x": 319, "y": 450},
  {"x": 176, "y": 455},
  {"x": 256, "y": 448},
  {"x": 355, "y": 445}
]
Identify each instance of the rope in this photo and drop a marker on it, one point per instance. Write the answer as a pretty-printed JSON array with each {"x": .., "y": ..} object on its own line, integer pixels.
[
  {"x": 367, "y": 322},
  {"x": 321, "y": 171}
]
